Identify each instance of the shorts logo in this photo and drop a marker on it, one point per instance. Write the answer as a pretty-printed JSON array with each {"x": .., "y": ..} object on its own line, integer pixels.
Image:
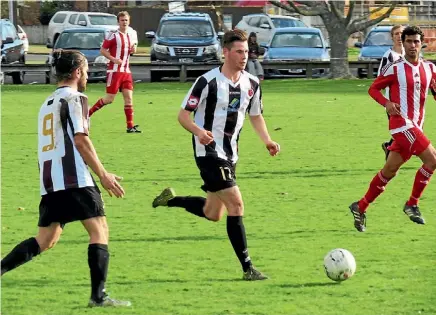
[
  {"x": 250, "y": 92},
  {"x": 192, "y": 102}
]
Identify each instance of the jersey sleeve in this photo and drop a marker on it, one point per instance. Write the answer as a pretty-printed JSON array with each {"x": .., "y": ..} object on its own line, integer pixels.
[
  {"x": 78, "y": 106},
  {"x": 386, "y": 60},
  {"x": 255, "y": 107},
  {"x": 386, "y": 78},
  {"x": 433, "y": 80},
  {"x": 108, "y": 41},
  {"x": 195, "y": 95}
]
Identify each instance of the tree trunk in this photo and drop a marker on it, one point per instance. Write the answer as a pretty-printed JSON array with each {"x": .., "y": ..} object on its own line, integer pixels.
[{"x": 339, "y": 47}]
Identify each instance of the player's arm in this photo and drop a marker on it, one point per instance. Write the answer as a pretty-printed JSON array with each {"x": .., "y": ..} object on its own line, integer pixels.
[
  {"x": 433, "y": 83},
  {"x": 79, "y": 119},
  {"x": 255, "y": 110},
  {"x": 104, "y": 50},
  {"x": 191, "y": 102}
]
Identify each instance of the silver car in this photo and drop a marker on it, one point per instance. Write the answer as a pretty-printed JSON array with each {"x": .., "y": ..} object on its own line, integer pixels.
[{"x": 264, "y": 25}]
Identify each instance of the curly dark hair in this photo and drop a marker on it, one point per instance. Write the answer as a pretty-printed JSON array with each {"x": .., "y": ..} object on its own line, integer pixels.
[{"x": 412, "y": 30}]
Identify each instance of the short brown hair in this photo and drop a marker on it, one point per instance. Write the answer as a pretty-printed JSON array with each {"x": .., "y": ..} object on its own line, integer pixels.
[
  {"x": 395, "y": 28},
  {"x": 122, "y": 13},
  {"x": 234, "y": 36},
  {"x": 66, "y": 61}
]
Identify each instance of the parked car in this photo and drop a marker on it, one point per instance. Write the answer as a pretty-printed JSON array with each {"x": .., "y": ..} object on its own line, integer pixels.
[
  {"x": 296, "y": 43},
  {"x": 264, "y": 25},
  {"x": 12, "y": 50},
  {"x": 376, "y": 43},
  {"x": 63, "y": 20},
  {"x": 185, "y": 37},
  {"x": 88, "y": 41},
  {"x": 23, "y": 36}
]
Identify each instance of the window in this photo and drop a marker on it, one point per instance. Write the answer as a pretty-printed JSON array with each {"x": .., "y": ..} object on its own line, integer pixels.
[
  {"x": 185, "y": 29},
  {"x": 263, "y": 20},
  {"x": 103, "y": 20},
  {"x": 73, "y": 18},
  {"x": 307, "y": 40},
  {"x": 279, "y": 23},
  {"x": 254, "y": 21},
  {"x": 59, "y": 18},
  {"x": 8, "y": 31},
  {"x": 378, "y": 39},
  {"x": 82, "y": 18},
  {"x": 80, "y": 41}
]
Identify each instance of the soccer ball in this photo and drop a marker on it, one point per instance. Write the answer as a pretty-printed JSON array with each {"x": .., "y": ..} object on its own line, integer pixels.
[{"x": 339, "y": 264}]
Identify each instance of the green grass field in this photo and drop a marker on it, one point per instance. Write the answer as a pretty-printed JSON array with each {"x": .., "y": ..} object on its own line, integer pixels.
[{"x": 167, "y": 261}]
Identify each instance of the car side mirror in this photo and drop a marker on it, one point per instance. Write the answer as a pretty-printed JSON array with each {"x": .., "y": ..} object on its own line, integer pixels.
[
  {"x": 358, "y": 45},
  {"x": 424, "y": 46},
  {"x": 265, "y": 26},
  {"x": 264, "y": 46},
  {"x": 82, "y": 23},
  {"x": 150, "y": 34},
  {"x": 8, "y": 40},
  {"x": 49, "y": 46}
]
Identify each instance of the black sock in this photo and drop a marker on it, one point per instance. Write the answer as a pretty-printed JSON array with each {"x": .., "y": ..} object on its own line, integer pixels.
[
  {"x": 21, "y": 254},
  {"x": 98, "y": 261},
  {"x": 236, "y": 233},
  {"x": 194, "y": 205},
  {"x": 390, "y": 142}
]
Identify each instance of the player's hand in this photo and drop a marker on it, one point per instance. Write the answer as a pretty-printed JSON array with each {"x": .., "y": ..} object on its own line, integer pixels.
[
  {"x": 393, "y": 108},
  {"x": 273, "y": 148},
  {"x": 117, "y": 61},
  {"x": 205, "y": 137},
  {"x": 110, "y": 182}
]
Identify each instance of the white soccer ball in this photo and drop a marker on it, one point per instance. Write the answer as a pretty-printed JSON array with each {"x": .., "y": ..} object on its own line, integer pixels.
[{"x": 339, "y": 264}]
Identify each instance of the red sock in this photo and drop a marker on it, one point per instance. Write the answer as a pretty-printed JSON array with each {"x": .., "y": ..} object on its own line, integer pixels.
[
  {"x": 128, "y": 110},
  {"x": 376, "y": 187},
  {"x": 96, "y": 107},
  {"x": 422, "y": 178}
]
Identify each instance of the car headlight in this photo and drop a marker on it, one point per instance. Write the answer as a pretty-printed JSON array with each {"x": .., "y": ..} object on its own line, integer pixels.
[
  {"x": 211, "y": 49},
  {"x": 325, "y": 59},
  {"x": 160, "y": 49},
  {"x": 101, "y": 59}
]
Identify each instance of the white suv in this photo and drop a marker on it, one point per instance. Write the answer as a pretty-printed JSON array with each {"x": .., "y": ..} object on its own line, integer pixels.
[
  {"x": 264, "y": 25},
  {"x": 69, "y": 19}
]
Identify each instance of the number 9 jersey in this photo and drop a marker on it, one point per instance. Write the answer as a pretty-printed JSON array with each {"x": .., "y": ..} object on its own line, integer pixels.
[{"x": 63, "y": 115}]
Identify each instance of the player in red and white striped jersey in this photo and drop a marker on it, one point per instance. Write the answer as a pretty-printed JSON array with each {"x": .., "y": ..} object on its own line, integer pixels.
[
  {"x": 68, "y": 191},
  {"x": 118, "y": 47},
  {"x": 409, "y": 81},
  {"x": 392, "y": 55}
]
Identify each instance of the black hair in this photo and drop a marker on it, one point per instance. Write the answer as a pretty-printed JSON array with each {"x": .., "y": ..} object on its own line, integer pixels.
[{"x": 66, "y": 61}]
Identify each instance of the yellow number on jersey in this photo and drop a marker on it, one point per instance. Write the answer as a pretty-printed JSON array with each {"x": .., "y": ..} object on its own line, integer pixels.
[{"x": 47, "y": 130}]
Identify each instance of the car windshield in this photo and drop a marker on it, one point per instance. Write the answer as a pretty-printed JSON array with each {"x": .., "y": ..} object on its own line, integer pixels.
[
  {"x": 80, "y": 40},
  {"x": 280, "y": 23},
  {"x": 307, "y": 40},
  {"x": 185, "y": 29},
  {"x": 103, "y": 20},
  {"x": 379, "y": 39}
]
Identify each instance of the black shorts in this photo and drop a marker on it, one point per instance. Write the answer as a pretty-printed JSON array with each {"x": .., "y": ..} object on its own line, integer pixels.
[
  {"x": 217, "y": 174},
  {"x": 75, "y": 204}
]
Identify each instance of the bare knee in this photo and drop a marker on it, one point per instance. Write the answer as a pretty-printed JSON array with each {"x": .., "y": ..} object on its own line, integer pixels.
[
  {"x": 108, "y": 99},
  {"x": 128, "y": 101},
  {"x": 214, "y": 216},
  {"x": 389, "y": 171},
  {"x": 47, "y": 242},
  {"x": 236, "y": 208}
]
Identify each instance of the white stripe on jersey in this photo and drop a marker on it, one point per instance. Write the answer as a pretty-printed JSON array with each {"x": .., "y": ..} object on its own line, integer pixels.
[
  {"x": 224, "y": 113},
  {"x": 118, "y": 51},
  {"x": 61, "y": 165}
]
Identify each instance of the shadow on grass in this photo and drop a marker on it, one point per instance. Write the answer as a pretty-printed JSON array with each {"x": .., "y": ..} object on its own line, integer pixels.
[{"x": 307, "y": 285}]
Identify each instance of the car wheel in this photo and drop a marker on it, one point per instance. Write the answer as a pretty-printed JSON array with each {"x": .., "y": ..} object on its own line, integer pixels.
[{"x": 18, "y": 77}]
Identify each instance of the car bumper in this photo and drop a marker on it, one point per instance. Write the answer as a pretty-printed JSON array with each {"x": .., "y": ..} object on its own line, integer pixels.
[{"x": 185, "y": 58}]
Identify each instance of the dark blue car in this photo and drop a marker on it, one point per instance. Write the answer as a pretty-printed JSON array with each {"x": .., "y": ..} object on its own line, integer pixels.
[{"x": 88, "y": 41}]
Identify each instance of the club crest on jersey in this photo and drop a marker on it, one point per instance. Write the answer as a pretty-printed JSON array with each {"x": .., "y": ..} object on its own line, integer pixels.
[
  {"x": 192, "y": 102},
  {"x": 250, "y": 92}
]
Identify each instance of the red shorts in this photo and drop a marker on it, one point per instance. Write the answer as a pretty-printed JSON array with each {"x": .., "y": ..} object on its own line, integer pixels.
[
  {"x": 118, "y": 81},
  {"x": 409, "y": 142}
]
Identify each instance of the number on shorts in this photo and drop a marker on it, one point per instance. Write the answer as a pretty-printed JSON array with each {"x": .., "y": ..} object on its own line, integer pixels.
[
  {"x": 47, "y": 130},
  {"x": 226, "y": 173}
]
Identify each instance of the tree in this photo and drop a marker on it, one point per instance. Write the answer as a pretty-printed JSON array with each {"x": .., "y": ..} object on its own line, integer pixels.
[{"x": 339, "y": 27}]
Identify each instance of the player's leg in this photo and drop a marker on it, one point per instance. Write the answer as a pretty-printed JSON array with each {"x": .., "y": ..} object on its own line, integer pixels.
[
  {"x": 128, "y": 110},
  {"x": 107, "y": 99},
  {"x": 98, "y": 252},
  {"x": 47, "y": 237},
  {"x": 387, "y": 144},
  {"x": 377, "y": 186},
  {"x": 427, "y": 153},
  {"x": 232, "y": 200}
]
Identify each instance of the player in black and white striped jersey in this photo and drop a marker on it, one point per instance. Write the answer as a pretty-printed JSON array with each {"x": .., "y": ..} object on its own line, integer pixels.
[
  {"x": 68, "y": 190},
  {"x": 390, "y": 56},
  {"x": 220, "y": 99}
]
